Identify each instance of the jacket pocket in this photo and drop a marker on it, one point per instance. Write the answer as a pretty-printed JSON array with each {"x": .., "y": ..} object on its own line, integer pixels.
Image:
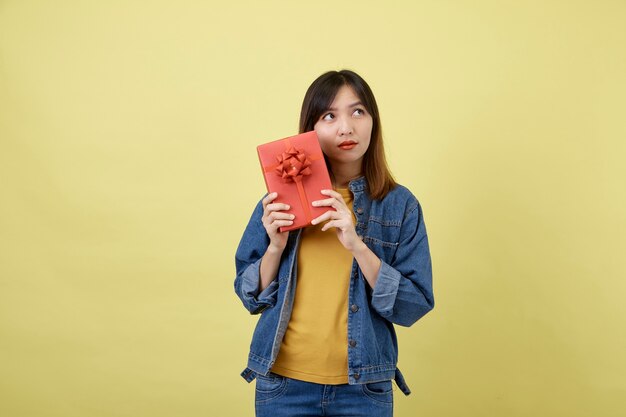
[{"x": 384, "y": 249}]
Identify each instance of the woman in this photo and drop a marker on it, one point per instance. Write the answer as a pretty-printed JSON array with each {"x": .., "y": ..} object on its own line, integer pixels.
[{"x": 327, "y": 345}]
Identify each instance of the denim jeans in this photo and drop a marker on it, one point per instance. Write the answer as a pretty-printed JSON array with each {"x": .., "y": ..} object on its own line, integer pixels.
[{"x": 278, "y": 396}]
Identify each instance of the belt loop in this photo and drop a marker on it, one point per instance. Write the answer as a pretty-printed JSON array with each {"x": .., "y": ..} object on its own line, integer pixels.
[{"x": 401, "y": 383}]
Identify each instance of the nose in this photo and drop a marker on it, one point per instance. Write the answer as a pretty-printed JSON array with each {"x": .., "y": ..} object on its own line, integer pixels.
[{"x": 345, "y": 127}]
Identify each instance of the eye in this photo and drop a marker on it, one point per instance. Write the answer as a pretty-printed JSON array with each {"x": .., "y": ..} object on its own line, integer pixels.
[
  {"x": 326, "y": 116},
  {"x": 359, "y": 112}
]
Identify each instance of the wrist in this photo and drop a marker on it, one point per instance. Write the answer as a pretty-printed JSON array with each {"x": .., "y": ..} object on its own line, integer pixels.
[
  {"x": 359, "y": 248},
  {"x": 274, "y": 250}
]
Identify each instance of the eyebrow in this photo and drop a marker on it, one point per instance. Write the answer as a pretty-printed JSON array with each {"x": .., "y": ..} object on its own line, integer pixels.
[{"x": 358, "y": 103}]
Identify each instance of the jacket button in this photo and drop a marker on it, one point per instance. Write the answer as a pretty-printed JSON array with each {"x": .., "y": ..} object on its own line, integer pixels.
[
  {"x": 354, "y": 308},
  {"x": 359, "y": 210},
  {"x": 352, "y": 343},
  {"x": 356, "y": 376}
]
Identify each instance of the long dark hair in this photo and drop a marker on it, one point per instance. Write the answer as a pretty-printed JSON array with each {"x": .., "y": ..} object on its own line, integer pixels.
[{"x": 318, "y": 99}]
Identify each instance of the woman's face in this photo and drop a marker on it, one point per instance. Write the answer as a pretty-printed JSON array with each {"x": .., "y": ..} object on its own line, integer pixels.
[{"x": 344, "y": 130}]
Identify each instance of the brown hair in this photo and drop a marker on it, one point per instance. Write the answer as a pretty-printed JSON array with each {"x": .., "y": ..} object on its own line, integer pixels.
[{"x": 318, "y": 99}]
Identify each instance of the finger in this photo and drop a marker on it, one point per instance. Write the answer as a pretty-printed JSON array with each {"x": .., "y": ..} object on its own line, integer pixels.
[
  {"x": 331, "y": 202},
  {"x": 326, "y": 202},
  {"x": 278, "y": 223},
  {"x": 332, "y": 193},
  {"x": 326, "y": 216},
  {"x": 269, "y": 198},
  {"x": 333, "y": 223},
  {"x": 342, "y": 224},
  {"x": 277, "y": 215},
  {"x": 269, "y": 221},
  {"x": 266, "y": 200},
  {"x": 277, "y": 206}
]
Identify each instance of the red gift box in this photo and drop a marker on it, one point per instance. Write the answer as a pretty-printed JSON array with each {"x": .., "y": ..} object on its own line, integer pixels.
[{"x": 294, "y": 167}]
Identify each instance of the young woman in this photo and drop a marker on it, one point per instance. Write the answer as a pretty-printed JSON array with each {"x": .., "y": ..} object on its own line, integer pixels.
[{"x": 330, "y": 294}]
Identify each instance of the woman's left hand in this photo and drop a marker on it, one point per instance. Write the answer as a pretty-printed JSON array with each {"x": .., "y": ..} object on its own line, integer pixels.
[{"x": 341, "y": 219}]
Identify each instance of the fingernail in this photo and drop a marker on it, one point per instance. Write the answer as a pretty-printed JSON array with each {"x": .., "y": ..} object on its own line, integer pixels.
[
  {"x": 288, "y": 206},
  {"x": 293, "y": 216}
]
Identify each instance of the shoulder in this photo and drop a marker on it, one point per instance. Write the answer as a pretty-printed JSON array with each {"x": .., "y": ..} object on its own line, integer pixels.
[{"x": 401, "y": 197}]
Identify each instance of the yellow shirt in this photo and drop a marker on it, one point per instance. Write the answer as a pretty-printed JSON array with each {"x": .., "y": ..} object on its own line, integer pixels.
[{"x": 315, "y": 346}]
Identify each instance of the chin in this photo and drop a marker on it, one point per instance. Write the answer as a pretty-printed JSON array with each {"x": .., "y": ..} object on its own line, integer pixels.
[{"x": 346, "y": 159}]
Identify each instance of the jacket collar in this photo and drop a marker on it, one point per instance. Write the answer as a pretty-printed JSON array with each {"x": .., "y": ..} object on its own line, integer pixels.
[{"x": 357, "y": 184}]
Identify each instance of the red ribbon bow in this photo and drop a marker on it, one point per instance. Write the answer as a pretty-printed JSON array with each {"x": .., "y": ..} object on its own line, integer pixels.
[{"x": 293, "y": 165}]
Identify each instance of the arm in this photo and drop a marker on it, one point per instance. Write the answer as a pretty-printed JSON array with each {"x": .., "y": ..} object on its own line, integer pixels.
[
  {"x": 403, "y": 290},
  {"x": 258, "y": 255},
  {"x": 341, "y": 220},
  {"x": 269, "y": 266},
  {"x": 369, "y": 262}
]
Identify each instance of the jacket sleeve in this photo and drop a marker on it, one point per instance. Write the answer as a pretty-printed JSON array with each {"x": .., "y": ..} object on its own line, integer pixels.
[
  {"x": 403, "y": 292},
  {"x": 251, "y": 249}
]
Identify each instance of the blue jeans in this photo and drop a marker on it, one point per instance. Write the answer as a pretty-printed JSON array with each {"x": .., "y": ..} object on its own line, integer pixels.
[{"x": 279, "y": 396}]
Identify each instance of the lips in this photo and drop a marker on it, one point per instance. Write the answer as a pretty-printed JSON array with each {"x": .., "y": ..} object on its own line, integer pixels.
[{"x": 347, "y": 144}]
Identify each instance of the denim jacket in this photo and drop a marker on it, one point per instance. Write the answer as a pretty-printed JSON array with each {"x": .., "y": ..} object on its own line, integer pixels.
[{"x": 393, "y": 228}]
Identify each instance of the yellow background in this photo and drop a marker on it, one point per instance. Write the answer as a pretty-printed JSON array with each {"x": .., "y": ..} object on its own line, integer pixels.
[{"x": 128, "y": 172}]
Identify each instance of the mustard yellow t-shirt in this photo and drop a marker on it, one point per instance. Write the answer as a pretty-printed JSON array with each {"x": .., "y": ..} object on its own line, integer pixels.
[{"x": 315, "y": 346}]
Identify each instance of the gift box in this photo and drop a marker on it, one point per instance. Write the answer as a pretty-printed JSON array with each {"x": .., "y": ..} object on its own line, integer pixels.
[{"x": 294, "y": 167}]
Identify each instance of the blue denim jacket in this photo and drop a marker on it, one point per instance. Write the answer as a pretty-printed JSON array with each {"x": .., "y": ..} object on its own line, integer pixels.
[{"x": 393, "y": 228}]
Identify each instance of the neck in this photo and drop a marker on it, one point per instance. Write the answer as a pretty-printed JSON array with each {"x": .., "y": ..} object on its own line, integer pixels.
[{"x": 343, "y": 174}]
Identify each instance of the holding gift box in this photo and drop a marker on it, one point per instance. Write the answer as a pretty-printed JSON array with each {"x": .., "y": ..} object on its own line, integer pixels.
[{"x": 294, "y": 167}]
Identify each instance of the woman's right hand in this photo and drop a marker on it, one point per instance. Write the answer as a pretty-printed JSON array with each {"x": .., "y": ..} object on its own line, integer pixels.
[{"x": 273, "y": 218}]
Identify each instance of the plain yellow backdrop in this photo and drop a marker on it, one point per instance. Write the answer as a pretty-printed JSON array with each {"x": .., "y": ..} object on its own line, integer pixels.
[{"x": 128, "y": 172}]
